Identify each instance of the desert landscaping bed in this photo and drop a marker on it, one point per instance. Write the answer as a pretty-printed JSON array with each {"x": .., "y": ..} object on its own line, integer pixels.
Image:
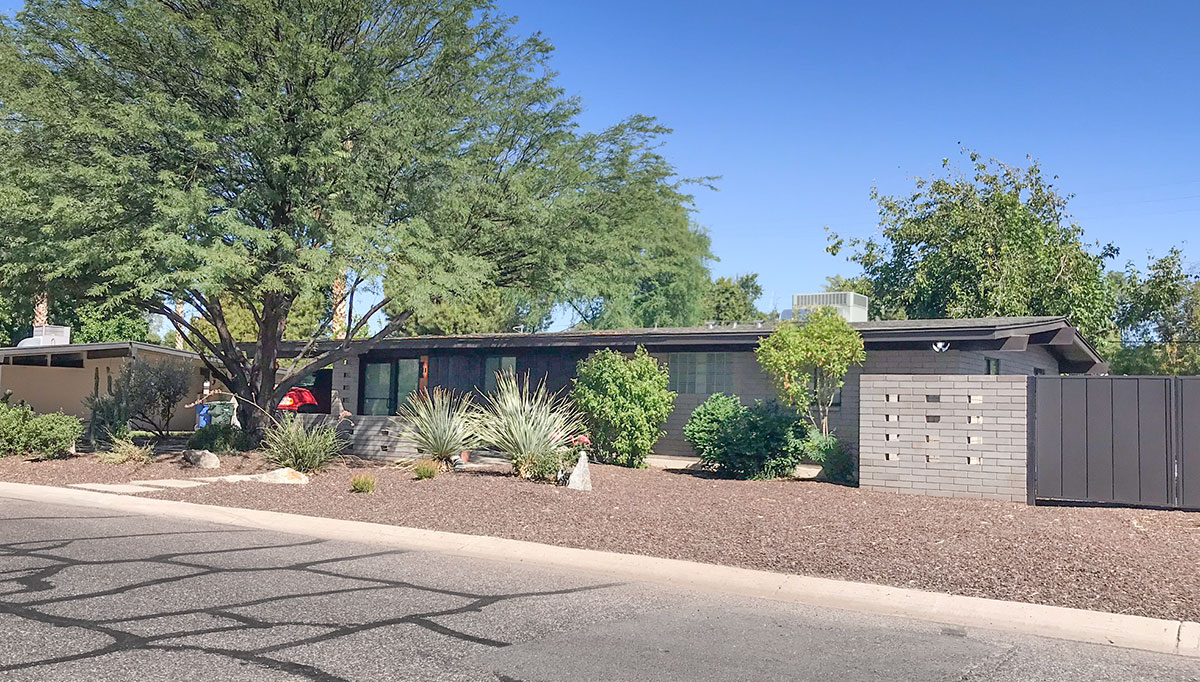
[{"x": 1120, "y": 560}]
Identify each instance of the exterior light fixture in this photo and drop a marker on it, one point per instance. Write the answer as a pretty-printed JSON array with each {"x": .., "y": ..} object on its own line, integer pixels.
[{"x": 941, "y": 346}]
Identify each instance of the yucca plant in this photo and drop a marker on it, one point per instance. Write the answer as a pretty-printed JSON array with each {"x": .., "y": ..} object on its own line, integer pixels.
[
  {"x": 532, "y": 425},
  {"x": 289, "y": 443},
  {"x": 441, "y": 423}
]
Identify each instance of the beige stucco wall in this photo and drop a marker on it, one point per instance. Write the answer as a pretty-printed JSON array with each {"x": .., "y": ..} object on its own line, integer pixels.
[{"x": 63, "y": 389}]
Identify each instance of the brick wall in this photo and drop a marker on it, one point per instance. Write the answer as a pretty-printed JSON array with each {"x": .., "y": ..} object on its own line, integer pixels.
[
  {"x": 345, "y": 385},
  {"x": 373, "y": 437},
  {"x": 953, "y": 436},
  {"x": 845, "y": 419}
]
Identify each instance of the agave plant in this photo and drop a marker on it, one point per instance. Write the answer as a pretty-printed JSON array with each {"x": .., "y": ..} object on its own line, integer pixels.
[
  {"x": 441, "y": 423},
  {"x": 532, "y": 425}
]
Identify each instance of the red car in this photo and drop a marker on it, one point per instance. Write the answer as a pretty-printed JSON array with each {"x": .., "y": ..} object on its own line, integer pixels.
[{"x": 296, "y": 399}]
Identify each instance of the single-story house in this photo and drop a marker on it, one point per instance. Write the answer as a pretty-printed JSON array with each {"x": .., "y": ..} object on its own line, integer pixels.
[
  {"x": 58, "y": 378},
  {"x": 701, "y": 361}
]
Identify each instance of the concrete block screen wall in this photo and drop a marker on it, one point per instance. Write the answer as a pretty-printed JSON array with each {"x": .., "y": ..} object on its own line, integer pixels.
[{"x": 951, "y": 436}]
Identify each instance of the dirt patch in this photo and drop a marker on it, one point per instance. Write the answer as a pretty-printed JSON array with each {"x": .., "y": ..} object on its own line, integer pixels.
[{"x": 1119, "y": 560}]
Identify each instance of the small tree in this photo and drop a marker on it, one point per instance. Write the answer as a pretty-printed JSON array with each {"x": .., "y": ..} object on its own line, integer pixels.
[
  {"x": 151, "y": 391},
  {"x": 624, "y": 402},
  {"x": 808, "y": 363}
]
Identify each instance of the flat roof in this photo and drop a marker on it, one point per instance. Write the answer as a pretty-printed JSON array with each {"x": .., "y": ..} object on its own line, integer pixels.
[
  {"x": 995, "y": 333},
  {"x": 107, "y": 349}
]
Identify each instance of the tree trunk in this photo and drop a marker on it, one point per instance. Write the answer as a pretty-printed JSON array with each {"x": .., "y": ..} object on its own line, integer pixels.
[
  {"x": 339, "y": 323},
  {"x": 41, "y": 310},
  {"x": 265, "y": 365}
]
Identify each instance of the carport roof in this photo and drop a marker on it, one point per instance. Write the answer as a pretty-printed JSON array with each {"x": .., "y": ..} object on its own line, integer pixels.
[{"x": 113, "y": 349}]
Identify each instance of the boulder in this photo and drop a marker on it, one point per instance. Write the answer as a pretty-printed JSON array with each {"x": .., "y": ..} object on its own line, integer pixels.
[
  {"x": 201, "y": 459},
  {"x": 581, "y": 476},
  {"x": 286, "y": 475}
]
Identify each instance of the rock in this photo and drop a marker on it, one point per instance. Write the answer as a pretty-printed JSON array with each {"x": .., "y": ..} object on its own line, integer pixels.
[
  {"x": 581, "y": 476},
  {"x": 806, "y": 471},
  {"x": 201, "y": 459},
  {"x": 286, "y": 476}
]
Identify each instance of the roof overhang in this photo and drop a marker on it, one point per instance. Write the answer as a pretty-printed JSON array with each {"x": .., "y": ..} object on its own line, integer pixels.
[
  {"x": 91, "y": 351},
  {"x": 1073, "y": 352}
]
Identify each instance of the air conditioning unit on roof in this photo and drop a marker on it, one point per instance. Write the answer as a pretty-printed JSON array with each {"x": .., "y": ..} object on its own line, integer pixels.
[
  {"x": 850, "y": 305},
  {"x": 47, "y": 335}
]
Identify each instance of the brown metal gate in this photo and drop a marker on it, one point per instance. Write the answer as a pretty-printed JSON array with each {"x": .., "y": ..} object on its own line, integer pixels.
[{"x": 1119, "y": 440}]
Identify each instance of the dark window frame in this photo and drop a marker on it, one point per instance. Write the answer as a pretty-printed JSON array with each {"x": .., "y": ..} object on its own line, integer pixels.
[
  {"x": 991, "y": 366},
  {"x": 393, "y": 397}
]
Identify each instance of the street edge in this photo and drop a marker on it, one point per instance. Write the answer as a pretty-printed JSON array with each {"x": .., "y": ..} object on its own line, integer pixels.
[{"x": 1078, "y": 625}]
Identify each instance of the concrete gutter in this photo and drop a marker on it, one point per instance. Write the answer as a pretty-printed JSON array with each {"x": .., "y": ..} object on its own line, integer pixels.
[{"x": 1077, "y": 625}]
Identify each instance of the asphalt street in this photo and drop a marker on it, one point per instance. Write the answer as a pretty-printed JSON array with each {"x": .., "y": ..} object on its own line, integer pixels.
[{"x": 97, "y": 596}]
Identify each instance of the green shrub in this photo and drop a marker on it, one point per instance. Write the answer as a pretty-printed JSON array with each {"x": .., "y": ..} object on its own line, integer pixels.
[
  {"x": 704, "y": 426},
  {"x": 124, "y": 450},
  {"x": 50, "y": 436},
  {"x": 426, "y": 468},
  {"x": 624, "y": 402},
  {"x": 219, "y": 438},
  {"x": 14, "y": 429},
  {"x": 54, "y": 435},
  {"x": 441, "y": 424},
  {"x": 289, "y": 443},
  {"x": 533, "y": 426},
  {"x": 837, "y": 464},
  {"x": 362, "y": 483},
  {"x": 765, "y": 440}
]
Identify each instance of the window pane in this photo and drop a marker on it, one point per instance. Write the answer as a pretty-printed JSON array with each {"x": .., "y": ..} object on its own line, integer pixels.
[
  {"x": 407, "y": 373},
  {"x": 687, "y": 373},
  {"x": 375, "y": 406},
  {"x": 496, "y": 363},
  {"x": 377, "y": 381},
  {"x": 719, "y": 375}
]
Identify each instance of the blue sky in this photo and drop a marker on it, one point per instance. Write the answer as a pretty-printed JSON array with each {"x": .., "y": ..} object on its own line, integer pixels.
[{"x": 802, "y": 107}]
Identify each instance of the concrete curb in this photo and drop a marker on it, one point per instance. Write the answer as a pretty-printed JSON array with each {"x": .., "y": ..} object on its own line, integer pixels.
[{"x": 1078, "y": 625}]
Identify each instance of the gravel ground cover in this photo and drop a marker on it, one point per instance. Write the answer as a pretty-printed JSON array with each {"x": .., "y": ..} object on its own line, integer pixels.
[
  {"x": 85, "y": 468},
  {"x": 1136, "y": 561}
]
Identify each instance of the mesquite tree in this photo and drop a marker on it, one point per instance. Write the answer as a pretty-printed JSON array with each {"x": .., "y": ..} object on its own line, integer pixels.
[{"x": 248, "y": 154}]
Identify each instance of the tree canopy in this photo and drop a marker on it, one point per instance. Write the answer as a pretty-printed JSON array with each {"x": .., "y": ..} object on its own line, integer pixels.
[
  {"x": 247, "y": 155},
  {"x": 90, "y": 321},
  {"x": 998, "y": 242},
  {"x": 732, "y": 299},
  {"x": 1158, "y": 314}
]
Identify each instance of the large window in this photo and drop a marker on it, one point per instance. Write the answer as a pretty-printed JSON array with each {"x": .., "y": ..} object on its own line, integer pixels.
[
  {"x": 493, "y": 364},
  {"x": 700, "y": 373},
  {"x": 387, "y": 384}
]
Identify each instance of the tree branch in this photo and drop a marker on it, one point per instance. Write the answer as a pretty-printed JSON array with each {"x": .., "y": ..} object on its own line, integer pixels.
[{"x": 333, "y": 355}]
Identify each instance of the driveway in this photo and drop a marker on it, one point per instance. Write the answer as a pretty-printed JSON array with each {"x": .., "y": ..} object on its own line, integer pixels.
[{"x": 92, "y": 595}]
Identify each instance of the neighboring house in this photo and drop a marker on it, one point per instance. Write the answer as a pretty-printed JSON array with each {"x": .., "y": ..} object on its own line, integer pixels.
[
  {"x": 58, "y": 378},
  {"x": 701, "y": 361}
]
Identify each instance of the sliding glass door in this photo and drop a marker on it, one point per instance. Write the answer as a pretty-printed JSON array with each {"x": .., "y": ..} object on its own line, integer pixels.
[{"x": 387, "y": 384}]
